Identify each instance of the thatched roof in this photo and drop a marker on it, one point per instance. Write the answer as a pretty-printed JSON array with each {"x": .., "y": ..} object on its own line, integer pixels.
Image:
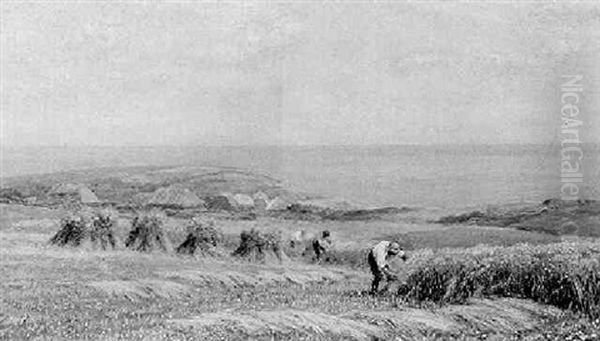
[
  {"x": 87, "y": 196},
  {"x": 175, "y": 196},
  {"x": 278, "y": 204},
  {"x": 243, "y": 200},
  {"x": 220, "y": 202},
  {"x": 260, "y": 195},
  {"x": 229, "y": 201},
  {"x": 64, "y": 188},
  {"x": 260, "y": 201},
  {"x": 327, "y": 203},
  {"x": 141, "y": 199},
  {"x": 78, "y": 192}
]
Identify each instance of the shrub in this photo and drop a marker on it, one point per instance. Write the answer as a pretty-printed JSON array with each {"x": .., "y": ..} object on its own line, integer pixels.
[{"x": 566, "y": 275}]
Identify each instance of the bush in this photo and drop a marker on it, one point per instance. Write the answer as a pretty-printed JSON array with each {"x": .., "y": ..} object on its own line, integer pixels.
[{"x": 566, "y": 275}]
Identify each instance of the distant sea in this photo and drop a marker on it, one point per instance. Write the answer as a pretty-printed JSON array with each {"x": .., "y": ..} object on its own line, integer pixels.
[{"x": 428, "y": 176}]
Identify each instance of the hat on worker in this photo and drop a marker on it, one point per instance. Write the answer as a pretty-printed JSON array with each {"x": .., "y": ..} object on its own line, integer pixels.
[{"x": 394, "y": 248}]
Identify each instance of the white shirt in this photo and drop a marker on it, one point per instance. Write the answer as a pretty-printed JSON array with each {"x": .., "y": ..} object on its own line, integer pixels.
[{"x": 380, "y": 253}]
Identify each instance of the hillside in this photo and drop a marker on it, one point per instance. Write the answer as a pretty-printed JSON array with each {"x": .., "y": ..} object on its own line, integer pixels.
[
  {"x": 119, "y": 185},
  {"x": 185, "y": 191},
  {"x": 552, "y": 216}
]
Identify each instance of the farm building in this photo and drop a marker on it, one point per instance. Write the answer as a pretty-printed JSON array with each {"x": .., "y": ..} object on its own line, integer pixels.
[
  {"x": 73, "y": 192},
  {"x": 260, "y": 201},
  {"x": 220, "y": 202},
  {"x": 278, "y": 204},
  {"x": 243, "y": 201},
  {"x": 175, "y": 196},
  {"x": 30, "y": 200},
  {"x": 229, "y": 202},
  {"x": 319, "y": 204},
  {"x": 141, "y": 199}
]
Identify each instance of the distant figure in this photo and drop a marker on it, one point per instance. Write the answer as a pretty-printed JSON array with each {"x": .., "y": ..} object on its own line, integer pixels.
[
  {"x": 379, "y": 258},
  {"x": 300, "y": 238},
  {"x": 321, "y": 246}
]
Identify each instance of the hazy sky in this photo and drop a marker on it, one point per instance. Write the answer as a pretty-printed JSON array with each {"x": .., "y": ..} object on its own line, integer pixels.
[{"x": 233, "y": 74}]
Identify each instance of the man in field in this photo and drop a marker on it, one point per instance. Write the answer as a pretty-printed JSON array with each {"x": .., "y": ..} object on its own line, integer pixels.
[
  {"x": 300, "y": 238},
  {"x": 321, "y": 246},
  {"x": 379, "y": 258}
]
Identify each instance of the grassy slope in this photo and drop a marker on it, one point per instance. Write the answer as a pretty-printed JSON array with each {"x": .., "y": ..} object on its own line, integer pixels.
[
  {"x": 556, "y": 217},
  {"x": 105, "y": 295}
]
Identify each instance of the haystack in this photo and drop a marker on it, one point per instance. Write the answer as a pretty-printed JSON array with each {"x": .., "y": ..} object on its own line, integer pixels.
[
  {"x": 147, "y": 233},
  {"x": 86, "y": 227},
  {"x": 175, "y": 196},
  {"x": 259, "y": 246},
  {"x": 202, "y": 238}
]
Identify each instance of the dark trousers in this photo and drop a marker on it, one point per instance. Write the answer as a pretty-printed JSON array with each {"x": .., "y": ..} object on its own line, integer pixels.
[
  {"x": 378, "y": 274},
  {"x": 319, "y": 251}
]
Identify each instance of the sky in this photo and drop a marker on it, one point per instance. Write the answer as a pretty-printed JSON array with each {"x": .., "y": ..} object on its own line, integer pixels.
[{"x": 257, "y": 73}]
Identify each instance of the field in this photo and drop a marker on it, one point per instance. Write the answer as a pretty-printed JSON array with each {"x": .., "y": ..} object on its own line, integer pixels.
[
  {"x": 464, "y": 279},
  {"x": 68, "y": 293}
]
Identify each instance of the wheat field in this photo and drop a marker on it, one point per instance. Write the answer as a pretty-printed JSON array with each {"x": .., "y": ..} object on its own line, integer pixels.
[{"x": 81, "y": 293}]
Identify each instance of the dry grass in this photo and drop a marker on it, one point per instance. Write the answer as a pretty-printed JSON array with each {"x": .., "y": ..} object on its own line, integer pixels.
[
  {"x": 469, "y": 236},
  {"x": 30, "y": 219},
  {"x": 503, "y": 316},
  {"x": 259, "y": 277},
  {"x": 282, "y": 321},
  {"x": 355, "y": 254},
  {"x": 146, "y": 288},
  {"x": 65, "y": 293},
  {"x": 566, "y": 275}
]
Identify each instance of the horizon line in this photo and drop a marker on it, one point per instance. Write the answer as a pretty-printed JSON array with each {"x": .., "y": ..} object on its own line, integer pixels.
[{"x": 66, "y": 146}]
